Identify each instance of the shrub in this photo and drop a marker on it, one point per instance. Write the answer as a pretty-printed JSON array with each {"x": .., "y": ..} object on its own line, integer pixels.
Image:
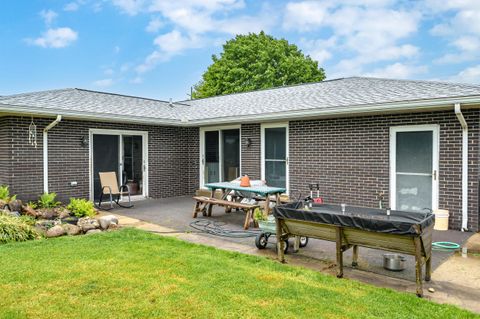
[
  {"x": 48, "y": 200},
  {"x": 81, "y": 207},
  {"x": 15, "y": 229},
  {"x": 5, "y": 194},
  {"x": 259, "y": 215}
]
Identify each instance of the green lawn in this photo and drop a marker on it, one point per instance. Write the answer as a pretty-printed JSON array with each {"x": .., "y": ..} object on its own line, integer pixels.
[{"x": 130, "y": 273}]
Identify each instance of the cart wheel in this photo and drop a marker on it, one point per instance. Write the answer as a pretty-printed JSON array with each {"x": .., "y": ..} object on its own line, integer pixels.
[
  {"x": 261, "y": 241},
  {"x": 303, "y": 241}
]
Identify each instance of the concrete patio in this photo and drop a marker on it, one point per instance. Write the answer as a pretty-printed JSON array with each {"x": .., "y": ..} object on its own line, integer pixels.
[{"x": 173, "y": 217}]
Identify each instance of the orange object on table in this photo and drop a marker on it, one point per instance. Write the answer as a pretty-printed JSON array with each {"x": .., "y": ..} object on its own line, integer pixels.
[{"x": 245, "y": 181}]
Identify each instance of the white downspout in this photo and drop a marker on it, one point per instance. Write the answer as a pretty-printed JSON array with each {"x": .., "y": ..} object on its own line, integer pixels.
[
  {"x": 463, "y": 123},
  {"x": 45, "y": 151}
]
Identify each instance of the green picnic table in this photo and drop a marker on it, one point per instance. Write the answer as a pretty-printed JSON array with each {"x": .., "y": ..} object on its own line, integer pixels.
[{"x": 262, "y": 190}]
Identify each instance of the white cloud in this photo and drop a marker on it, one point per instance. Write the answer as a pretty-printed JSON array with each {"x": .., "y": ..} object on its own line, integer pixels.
[
  {"x": 367, "y": 31},
  {"x": 130, "y": 7},
  {"x": 71, "y": 6},
  {"x": 468, "y": 49},
  {"x": 48, "y": 16},
  {"x": 398, "y": 71},
  {"x": 168, "y": 45},
  {"x": 55, "y": 38},
  {"x": 116, "y": 49},
  {"x": 319, "y": 49},
  {"x": 103, "y": 82},
  {"x": 464, "y": 21},
  {"x": 136, "y": 80},
  {"x": 154, "y": 25},
  {"x": 468, "y": 75}
]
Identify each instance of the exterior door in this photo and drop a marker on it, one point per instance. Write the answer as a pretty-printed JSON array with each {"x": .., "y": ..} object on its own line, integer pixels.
[
  {"x": 414, "y": 168},
  {"x": 275, "y": 155},
  {"x": 123, "y": 152},
  {"x": 105, "y": 159}
]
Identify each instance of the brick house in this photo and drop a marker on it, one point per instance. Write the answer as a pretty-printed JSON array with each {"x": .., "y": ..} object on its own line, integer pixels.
[{"x": 415, "y": 141}]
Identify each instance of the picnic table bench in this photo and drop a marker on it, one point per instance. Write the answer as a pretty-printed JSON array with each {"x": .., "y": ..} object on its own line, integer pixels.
[
  {"x": 210, "y": 201},
  {"x": 228, "y": 188}
]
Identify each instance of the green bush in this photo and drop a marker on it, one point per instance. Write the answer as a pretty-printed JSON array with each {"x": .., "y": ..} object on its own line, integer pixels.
[
  {"x": 48, "y": 200},
  {"x": 15, "y": 229},
  {"x": 81, "y": 207},
  {"x": 5, "y": 194}
]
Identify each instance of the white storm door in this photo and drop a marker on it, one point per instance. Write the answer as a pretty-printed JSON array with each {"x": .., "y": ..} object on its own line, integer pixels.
[{"x": 414, "y": 167}]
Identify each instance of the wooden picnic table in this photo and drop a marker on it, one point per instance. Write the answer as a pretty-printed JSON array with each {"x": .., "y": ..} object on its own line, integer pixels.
[{"x": 264, "y": 191}]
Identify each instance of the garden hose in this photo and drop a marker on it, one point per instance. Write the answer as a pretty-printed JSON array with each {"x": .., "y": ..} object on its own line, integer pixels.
[
  {"x": 445, "y": 245},
  {"x": 218, "y": 229}
]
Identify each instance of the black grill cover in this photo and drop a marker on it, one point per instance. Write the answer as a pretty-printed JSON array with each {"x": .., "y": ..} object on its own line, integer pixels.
[{"x": 370, "y": 219}]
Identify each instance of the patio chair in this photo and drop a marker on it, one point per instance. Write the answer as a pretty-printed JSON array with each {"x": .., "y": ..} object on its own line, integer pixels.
[{"x": 109, "y": 183}]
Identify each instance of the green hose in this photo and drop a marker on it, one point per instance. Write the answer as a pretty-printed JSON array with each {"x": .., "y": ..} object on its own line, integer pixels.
[{"x": 445, "y": 245}]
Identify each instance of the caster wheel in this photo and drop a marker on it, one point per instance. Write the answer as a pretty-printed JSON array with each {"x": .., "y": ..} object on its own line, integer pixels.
[
  {"x": 303, "y": 241},
  {"x": 261, "y": 241}
]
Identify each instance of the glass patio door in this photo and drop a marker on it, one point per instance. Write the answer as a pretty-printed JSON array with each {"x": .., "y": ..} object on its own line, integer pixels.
[
  {"x": 275, "y": 155},
  {"x": 220, "y": 155},
  {"x": 414, "y": 168},
  {"x": 122, "y": 152}
]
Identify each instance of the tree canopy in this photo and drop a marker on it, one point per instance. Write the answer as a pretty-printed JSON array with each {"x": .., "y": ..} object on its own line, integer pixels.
[{"x": 256, "y": 61}]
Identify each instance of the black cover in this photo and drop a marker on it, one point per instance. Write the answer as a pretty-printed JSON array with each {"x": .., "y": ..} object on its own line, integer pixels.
[{"x": 371, "y": 219}]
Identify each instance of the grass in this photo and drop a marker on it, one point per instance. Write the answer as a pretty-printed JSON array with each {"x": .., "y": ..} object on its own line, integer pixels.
[{"x": 131, "y": 273}]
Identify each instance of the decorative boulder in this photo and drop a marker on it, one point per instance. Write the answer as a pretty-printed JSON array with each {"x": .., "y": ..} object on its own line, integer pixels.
[
  {"x": 47, "y": 213},
  {"x": 27, "y": 210},
  {"x": 62, "y": 212},
  {"x": 3, "y": 204},
  {"x": 105, "y": 221},
  {"x": 113, "y": 226},
  {"x": 72, "y": 230},
  {"x": 87, "y": 223},
  {"x": 55, "y": 231},
  {"x": 93, "y": 231},
  {"x": 43, "y": 225},
  {"x": 15, "y": 205},
  {"x": 70, "y": 220}
]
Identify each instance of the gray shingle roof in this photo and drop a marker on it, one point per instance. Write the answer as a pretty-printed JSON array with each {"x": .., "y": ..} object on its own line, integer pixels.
[
  {"x": 345, "y": 94},
  {"x": 354, "y": 91}
]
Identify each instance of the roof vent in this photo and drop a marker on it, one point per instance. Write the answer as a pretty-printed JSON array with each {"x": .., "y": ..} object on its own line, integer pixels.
[{"x": 170, "y": 103}]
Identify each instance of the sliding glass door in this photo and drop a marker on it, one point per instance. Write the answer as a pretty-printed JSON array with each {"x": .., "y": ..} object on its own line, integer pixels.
[
  {"x": 220, "y": 155},
  {"x": 122, "y": 152},
  {"x": 275, "y": 155}
]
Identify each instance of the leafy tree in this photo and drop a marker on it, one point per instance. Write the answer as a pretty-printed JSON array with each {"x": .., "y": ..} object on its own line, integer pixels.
[{"x": 256, "y": 61}]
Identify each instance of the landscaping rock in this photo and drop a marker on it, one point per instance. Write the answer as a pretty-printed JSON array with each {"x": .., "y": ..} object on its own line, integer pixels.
[
  {"x": 14, "y": 214},
  {"x": 113, "y": 226},
  {"x": 93, "y": 231},
  {"x": 105, "y": 221},
  {"x": 55, "y": 231},
  {"x": 72, "y": 230},
  {"x": 70, "y": 220},
  {"x": 62, "y": 212},
  {"x": 27, "y": 210},
  {"x": 47, "y": 213},
  {"x": 87, "y": 223},
  {"x": 3, "y": 204},
  {"x": 15, "y": 205}
]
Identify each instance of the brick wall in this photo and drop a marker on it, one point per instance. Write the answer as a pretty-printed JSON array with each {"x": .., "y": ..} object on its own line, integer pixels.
[
  {"x": 5, "y": 137},
  {"x": 251, "y": 155},
  {"x": 173, "y": 158},
  {"x": 349, "y": 157}
]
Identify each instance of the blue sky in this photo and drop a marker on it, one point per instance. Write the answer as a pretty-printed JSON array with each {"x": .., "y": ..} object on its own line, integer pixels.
[{"x": 160, "y": 48}]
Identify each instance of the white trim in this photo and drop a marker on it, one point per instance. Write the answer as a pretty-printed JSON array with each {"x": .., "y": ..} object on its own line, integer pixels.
[
  {"x": 287, "y": 152},
  {"x": 120, "y": 133},
  {"x": 463, "y": 123},
  {"x": 220, "y": 138},
  {"x": 435, "y": 129},
  {"x": 417, "y": 105}
]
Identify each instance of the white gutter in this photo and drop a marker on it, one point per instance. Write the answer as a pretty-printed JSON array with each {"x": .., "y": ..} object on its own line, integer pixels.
[
  {"x": 463, "y": 123},
  {"x": 45, "y": 151}
]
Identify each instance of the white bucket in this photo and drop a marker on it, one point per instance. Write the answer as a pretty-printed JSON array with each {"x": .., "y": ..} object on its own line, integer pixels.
[{"x": 441, "y": 219}]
